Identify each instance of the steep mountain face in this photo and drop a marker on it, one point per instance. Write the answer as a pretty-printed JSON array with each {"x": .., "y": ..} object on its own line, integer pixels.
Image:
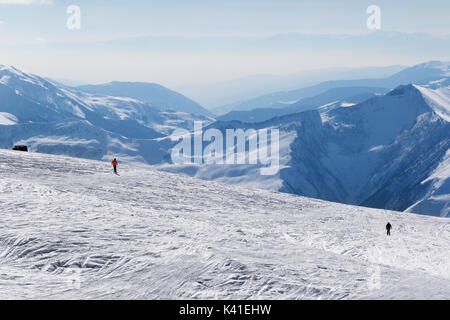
[
  {"x": 378, "y": 152},
  {"x": 155, "y": 94},
  {"x": 434, "y": 74},
  {"x": 387, "y": 152},
  {"x": 56, "y": 119},
  {"x": 437, "y": 196}
]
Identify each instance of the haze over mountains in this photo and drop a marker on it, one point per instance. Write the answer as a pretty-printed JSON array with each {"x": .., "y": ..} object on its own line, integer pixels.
[
  {"x": 219, "y": 96},
  {"x": 372, "y": 146},
  {"x": 421, "y": 74}
]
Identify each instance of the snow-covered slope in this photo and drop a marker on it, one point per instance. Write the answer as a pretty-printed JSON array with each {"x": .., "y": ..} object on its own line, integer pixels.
[
  {"x": 437, "y": 198},
  {"x": 438, "y": 99},
  {"x": 72, "y": 229},
  {"x": 7, "y": 119}
]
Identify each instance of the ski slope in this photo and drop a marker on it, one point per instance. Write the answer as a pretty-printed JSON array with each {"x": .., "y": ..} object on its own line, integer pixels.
[{"x": 70, "y": 229}]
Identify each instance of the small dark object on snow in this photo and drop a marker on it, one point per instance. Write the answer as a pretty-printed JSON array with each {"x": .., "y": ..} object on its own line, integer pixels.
[
  {"x": 388, "y": 228},
  {"x": 21, "y": 148}
]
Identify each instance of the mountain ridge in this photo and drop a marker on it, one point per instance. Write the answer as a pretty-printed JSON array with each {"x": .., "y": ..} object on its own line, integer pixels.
[{"x": 155, "y": 94}]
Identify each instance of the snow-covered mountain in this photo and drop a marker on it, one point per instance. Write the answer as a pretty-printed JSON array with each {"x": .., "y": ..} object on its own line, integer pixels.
[
  {"x": 155, "y": 94},
  {"x": 390, "y": 151},
  {"x": 56, "y": 119},
  {"x": 433, "y": 74},
  {"x": 77, "y": 231}
]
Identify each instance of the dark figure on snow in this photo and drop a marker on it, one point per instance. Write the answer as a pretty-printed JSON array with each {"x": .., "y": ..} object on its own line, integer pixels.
[
  {"x": 115, "y": 164},
  {"x": 388, "y": 228}
]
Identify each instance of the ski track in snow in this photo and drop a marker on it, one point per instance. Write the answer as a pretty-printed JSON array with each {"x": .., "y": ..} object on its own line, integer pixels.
[{"x": 71, "y": 229}]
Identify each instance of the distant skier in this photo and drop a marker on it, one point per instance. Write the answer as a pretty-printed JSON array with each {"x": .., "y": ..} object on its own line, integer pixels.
[
  {"x": 115, "y": 164},
  {"x": 388, "y": 228}
]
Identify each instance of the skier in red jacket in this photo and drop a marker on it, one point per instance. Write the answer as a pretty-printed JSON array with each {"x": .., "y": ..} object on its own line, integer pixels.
[{"x": 115, "y": 164}]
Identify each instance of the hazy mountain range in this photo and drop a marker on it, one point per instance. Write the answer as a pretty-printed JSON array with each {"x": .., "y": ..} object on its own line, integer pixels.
[
  {"x": 419, "y": 74},
  {"x": 332, "y": 98},
  {"x": 220, "y": 96}
]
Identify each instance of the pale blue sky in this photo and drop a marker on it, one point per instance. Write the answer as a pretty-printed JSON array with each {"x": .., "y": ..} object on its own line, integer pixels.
[{"x": 178, "y": 42}]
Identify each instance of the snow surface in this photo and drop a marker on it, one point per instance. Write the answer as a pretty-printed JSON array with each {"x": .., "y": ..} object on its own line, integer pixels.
[
  {"x": 438, "y": 99},
  {"x": 72, "y": 229},
  {"x": 438, "y": 195},
  {"x": 7, "y": 119}
]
